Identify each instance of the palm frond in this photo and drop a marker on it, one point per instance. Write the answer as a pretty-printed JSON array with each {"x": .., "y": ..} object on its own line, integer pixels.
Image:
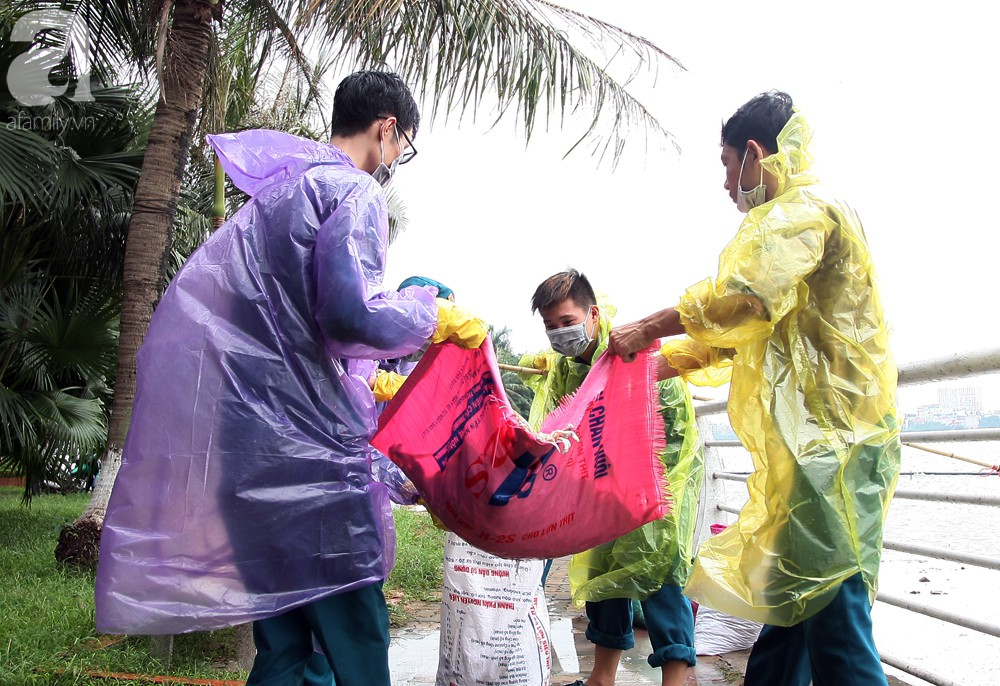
[
  {"x": 67, "y": 173},
  {"x": 253, "y": 41},
  {"x": 397, "y": 214},
  {"x": 525, "y": 54},
  {"x": 104, "y": 124},
  {"x": 191, "y": 228},
  {"x": 17, "y": 427},
  {"x": 75, "y": 343},
  {"x": 55, "y": 360},
  {"x": 20, "y": 304},
  {"x": 71, "y": 424},
  {"x": 273, "y": 17},
  {"x": 118, "y": 33},
  {"x": 83, "y": 178},
  {"x": 25, "y": 163},
  {"x": 17, "y": 257},
  {"x": 70, "y": 430}
]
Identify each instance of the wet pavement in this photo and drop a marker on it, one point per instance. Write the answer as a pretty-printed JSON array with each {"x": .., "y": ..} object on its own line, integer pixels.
[{"x": 414, "y": 650}]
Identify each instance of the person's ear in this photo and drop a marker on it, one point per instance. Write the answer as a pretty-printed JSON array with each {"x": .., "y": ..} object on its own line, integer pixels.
[
  {"x": 386, "y": 128},
  {"x": 755, "y": 152}
]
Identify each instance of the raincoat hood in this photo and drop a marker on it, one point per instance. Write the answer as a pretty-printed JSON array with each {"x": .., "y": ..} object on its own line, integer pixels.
[
  {"x": 792, "y": 164},
  {"x": 260, "y": 158}
]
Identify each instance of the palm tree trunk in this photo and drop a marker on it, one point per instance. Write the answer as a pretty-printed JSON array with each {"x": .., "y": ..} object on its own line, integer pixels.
[{"x": 145, "y": 251}]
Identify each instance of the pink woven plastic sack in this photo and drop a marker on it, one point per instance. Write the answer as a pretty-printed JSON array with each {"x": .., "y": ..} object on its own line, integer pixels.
[{"x": 517, "y": 494}]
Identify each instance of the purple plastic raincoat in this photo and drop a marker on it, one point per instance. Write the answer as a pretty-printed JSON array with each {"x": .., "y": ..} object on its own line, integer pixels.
[{"x": 246, "y": 488}]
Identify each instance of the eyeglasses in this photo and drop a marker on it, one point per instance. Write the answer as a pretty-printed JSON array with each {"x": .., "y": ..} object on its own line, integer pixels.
[{"x": 408, "y": 153}]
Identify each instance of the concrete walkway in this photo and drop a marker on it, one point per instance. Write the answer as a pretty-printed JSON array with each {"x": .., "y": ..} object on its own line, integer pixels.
[
  {"x": 414, "y": 649},
  {"x": 413, "y": 653}
]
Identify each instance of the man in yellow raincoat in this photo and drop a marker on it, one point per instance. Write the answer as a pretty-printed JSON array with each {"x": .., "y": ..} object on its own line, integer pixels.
[
  {"x": 651, "y": 563},
  {"x": 796, "y": 311}
]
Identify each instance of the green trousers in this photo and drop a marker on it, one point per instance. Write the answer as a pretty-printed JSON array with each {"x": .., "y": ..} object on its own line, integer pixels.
[{"x": 352, "y": 629}]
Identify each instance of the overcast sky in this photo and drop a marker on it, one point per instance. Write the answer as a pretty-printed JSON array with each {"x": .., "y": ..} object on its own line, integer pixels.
[{"x": 904, "y": 104}]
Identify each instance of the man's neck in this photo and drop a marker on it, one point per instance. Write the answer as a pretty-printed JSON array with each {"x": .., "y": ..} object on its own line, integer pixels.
[
  {"x": 588, "y": 355},
  {"x": 354, "y": 148}
]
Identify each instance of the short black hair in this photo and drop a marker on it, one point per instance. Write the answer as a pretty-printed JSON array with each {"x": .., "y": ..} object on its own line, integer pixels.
[
  {"x": 558, "y": 287},
  {"x": 761, "y": 119},
  {"x": 364, "y": 96}
]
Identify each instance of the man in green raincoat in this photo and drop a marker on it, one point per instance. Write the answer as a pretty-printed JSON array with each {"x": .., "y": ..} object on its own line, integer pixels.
[
  {"x": 652, "y": 563},
  {"x": 795, "y": 310}
]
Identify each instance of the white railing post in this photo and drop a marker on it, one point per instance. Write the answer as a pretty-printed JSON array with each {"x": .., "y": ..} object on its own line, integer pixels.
[
  {"x": 955, "y": 366},
  {"x": 712, "y": 489}
]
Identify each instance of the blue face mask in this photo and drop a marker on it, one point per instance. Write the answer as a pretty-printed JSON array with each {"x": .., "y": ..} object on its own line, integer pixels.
[{"x": 570, "y": 341}]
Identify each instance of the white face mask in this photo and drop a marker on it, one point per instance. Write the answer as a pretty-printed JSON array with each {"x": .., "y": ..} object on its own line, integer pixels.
[
  {"x": 383, "y": 174},
  {"x": 570, "y": 341},
  {"x": 747, "y": 200}
]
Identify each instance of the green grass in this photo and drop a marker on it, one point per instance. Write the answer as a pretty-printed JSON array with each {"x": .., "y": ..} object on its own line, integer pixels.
[
  {"x": 47, "y": 635},
  {"x": 418, "y": 573}
]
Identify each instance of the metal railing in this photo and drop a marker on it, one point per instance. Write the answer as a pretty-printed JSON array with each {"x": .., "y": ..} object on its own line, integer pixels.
[{"x": 949, "y": 368}]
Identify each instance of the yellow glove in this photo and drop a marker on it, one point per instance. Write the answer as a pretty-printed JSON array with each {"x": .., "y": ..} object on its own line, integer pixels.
[
  {"x": 699, "y": 363},
  {"x": 386, "y": 385},
  {"x": 540, "y": 362},
  {"x": 458, "y": 325}
]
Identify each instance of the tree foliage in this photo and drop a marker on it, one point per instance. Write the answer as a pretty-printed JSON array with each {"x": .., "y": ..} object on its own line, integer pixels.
[
  {"x": 534, "y": 60},
  {"x": 518, "y": 393},
  {"x": 67, "y": 174}
]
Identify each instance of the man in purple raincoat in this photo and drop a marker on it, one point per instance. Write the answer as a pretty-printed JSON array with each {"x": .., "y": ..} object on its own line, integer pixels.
[{"x": 246, "y": 491}]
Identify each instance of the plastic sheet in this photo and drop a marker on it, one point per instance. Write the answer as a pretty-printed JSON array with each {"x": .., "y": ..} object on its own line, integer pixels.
[
  {"x": 510, "y": 492},
  {"x": 812, "y": 398},
  {"x": 246, "y": 485},
  {"x": 716, "y": 633}
]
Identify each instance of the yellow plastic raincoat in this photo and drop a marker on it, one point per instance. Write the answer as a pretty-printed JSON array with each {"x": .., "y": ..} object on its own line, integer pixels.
[
  {"x": 812, "y": 399},
  {"x": 637, "y": 564}
]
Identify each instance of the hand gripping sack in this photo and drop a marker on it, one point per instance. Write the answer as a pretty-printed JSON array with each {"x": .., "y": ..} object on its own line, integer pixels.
[{"x": 512, "y": 492}]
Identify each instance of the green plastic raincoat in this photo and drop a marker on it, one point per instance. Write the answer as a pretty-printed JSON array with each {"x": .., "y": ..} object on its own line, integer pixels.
[
  {"x": 637, "y": 564},
  {"x": 812, "y": 399}
]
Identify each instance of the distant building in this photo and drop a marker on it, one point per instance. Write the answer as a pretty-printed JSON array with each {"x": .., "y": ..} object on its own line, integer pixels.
[
  {"x": 968, "y": 400},
  {"x": 957, "y": 408}
]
